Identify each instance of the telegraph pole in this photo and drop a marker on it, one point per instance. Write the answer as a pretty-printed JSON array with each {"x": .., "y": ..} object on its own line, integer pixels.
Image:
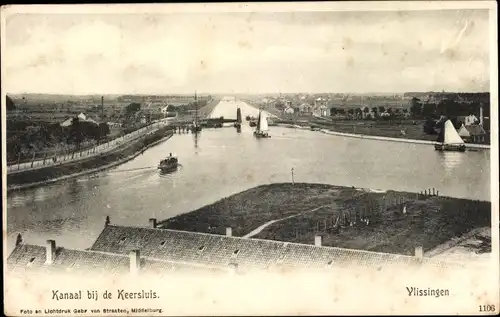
[{"x": 102, "y": 108}]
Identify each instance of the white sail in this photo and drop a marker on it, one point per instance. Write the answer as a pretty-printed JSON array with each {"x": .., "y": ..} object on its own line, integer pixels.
[
  {"x": 263, "y": 122},
  {"x": 450, "y": 134}
]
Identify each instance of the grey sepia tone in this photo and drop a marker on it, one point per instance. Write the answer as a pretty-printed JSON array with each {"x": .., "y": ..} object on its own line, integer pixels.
[{"x": 235, "y": 143}]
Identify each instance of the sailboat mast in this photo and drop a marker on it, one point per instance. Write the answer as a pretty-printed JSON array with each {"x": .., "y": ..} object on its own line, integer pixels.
[
  {"x": 258, "y": 121},
  {"x": 196, "y": 108}
]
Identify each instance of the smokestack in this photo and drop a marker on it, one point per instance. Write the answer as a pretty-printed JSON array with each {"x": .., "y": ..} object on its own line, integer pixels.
[
  {"x": 152, "y": 223},
  {"x": 135, "y": 261},
  {"x": 318, "y": 240},
  {"x": 50, "y": 251},
  {"x": 481, "y": 117},
  {"x": 419, "y": 253},
  {"x": 229, "y": 232}
]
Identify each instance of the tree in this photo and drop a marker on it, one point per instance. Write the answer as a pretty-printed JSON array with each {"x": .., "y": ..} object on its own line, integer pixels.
[
  {"x": 333, "y": 111},
  {"x": 358, "y": 112},
  {"x": 428, "y": 109},
  {"x": 416, "y": 107},
  {"x": 103, "y": 130},
  {"x": 429, "y": 126},
  {"x": 10, "y": 104},
  {"x": 132, "y": 108},
  {"x": 75, "y": 132},
  {"x": 170, "y": 108},
  {"x": 381, "y": 109}
]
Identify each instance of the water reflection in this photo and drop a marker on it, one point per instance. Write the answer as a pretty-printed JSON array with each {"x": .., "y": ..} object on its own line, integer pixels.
[
  {"x": 196, "y": 137},
  {"x": 451, "y": 161}
]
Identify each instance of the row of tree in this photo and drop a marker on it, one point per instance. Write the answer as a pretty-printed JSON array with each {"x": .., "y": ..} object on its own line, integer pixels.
[
  {"x": 375, "y": 110},
  {"x": 446, "y": 107},
  {"x": 25, "y": 138}
]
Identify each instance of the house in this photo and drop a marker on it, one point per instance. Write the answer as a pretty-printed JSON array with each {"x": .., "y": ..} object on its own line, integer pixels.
[
  {"x": 81, "y": 117},
  {"x": 470, "y": 120},
  {"x": 248, "y": 253},
  {"x": 164, "y": 111},
  {"x": 288, "y": 110},
  {"x": 50, "y": 259},
  {"x": 473, "y": 133},
  {"x": 123, "y": 249},
  {"x": 305, "y": 108},
  {"x": 67, "y": 122}
]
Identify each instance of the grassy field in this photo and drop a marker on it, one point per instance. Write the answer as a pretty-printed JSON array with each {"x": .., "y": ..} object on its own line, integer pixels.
[
  {"x": 203, "y": 112},
  {"x": 314, "y": 209},
  {"x": 52, "y": 172},
  {"x": 413, "y": 129}
]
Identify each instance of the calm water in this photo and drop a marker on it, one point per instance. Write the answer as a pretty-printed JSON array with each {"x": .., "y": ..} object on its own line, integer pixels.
[{"x": 222, "y": 162}]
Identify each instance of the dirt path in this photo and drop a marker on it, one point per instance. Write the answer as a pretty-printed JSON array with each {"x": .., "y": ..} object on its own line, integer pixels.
[{"x": 267, "y": 224}]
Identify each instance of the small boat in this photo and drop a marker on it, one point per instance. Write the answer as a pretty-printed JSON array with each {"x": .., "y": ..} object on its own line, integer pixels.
[
  {"x": 252, "y": 123},
  {"x": 449, "y": 140},
  {"x": 262, "y": 128},
  {"x": 169, "y": 164}
]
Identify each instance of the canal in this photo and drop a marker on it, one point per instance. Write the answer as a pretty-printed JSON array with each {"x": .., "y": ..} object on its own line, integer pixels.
[{"x": 221, "y": 162}]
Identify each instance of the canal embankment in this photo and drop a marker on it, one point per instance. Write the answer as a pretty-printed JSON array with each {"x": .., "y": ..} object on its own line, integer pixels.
[
  {"x": 391, "y": 221},
  {"x": 376, "y": 137},
  {"x": 50, "y": 174}
]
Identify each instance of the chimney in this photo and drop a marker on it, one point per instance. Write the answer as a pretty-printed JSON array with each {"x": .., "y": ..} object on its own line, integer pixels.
[
  {"x": 481, "y": 117},
  {"x": 229, "y": 232},
  {"x": 19, "y": 239},
  {"x": 135, "y": 261},
  {"x": 50, "y": 251},
  {"x": 152, "y": 223},
  {"x": 419, "y": 253},
  {"x": 318, "y": 241},
  {"x": 233, "y": 268},
  {"x": 106, "y": 222}
]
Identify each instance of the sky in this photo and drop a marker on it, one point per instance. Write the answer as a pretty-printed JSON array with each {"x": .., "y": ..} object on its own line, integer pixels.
[{"x": 244, "y": 52}]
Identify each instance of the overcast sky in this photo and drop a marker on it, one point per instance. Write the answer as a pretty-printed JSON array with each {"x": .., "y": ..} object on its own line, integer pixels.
[{"x": 248, "y": 53}]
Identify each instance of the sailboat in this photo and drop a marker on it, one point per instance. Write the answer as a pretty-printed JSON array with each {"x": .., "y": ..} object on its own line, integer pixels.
[
  {"x": 449, "y": 140},
  {"x": 196, "y": 123},
  {"x": 262, "y": 128},
  {"x": 237, "y": 124}
]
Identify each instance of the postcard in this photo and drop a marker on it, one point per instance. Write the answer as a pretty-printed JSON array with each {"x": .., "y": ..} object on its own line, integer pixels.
[{"x": 213, "y": 159}]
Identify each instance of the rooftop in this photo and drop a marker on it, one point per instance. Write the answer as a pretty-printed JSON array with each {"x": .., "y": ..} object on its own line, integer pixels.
[
  {"x": 248, "y": 253},
  {"x": 26, "y": 257}
]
